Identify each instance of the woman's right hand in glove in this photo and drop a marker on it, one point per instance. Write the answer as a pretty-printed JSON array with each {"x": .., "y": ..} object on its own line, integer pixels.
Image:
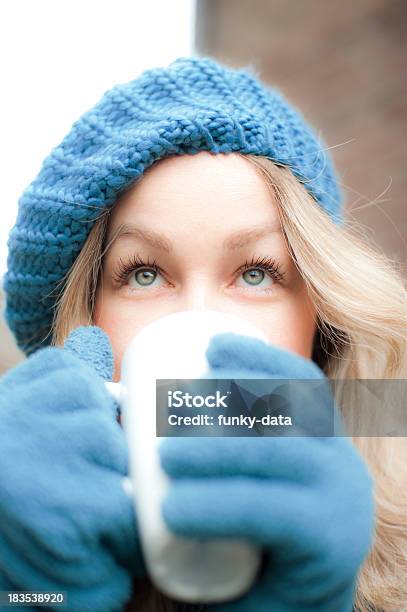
[{"x": 66, "y": 522}]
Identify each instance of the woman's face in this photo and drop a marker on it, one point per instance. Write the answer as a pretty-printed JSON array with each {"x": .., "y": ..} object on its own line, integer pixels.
[{"x": 210, "y": 226}]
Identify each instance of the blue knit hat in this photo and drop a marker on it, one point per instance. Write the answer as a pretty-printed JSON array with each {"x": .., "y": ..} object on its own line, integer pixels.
[{"x": 194, "y": 104}]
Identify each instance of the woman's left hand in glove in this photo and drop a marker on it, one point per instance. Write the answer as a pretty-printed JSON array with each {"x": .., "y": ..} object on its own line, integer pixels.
[{"x": 306, "y": 501}]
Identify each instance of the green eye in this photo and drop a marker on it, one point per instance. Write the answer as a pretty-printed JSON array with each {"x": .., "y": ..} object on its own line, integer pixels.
[
  {"x": 254, "y": 276},
  {"x": 145, "y": 277}
]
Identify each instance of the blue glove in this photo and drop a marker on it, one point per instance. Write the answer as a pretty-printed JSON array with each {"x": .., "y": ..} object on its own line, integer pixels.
[
  {"x": 307, "y": 502},
  {"x": 66, "y": 522}
]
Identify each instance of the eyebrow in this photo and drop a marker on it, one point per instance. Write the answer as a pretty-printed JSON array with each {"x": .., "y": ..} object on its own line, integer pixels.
[
  {"x": 156, "y": 240},
  {"x": 153, "y": 239},
  {"x": 240, "y": 238}
]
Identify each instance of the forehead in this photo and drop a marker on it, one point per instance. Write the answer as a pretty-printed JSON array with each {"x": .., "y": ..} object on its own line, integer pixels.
[{"x": 198, "y": 189}]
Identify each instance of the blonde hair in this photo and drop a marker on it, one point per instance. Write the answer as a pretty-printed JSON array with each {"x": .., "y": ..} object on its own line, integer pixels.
[{"x": 361, "y": 305}]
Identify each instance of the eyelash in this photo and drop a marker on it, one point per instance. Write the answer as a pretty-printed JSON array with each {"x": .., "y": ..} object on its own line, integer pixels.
[
  {"x": 134, "y": 262},
  {"x": 267, "y": 264}
]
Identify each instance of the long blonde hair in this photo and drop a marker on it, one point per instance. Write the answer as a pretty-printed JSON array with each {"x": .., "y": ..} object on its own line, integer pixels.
[{"x": 361, "y": 305}]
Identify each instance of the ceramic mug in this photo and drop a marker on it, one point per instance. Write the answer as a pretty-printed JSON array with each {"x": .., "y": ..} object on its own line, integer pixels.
[{"x": 187, "y": 569}]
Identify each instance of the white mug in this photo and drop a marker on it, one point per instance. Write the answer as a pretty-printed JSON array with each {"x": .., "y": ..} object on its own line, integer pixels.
[{"x": 188, "y": 569}]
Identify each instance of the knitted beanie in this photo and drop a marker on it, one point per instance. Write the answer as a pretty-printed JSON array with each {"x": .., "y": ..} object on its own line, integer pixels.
[{"x": 192, "y": 105}]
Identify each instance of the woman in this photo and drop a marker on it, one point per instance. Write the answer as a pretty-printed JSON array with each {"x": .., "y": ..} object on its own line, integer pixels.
[{"x": 310, "y": 282}]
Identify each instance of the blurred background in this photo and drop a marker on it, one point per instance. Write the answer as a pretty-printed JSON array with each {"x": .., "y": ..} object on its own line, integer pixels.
[{"x": 342, "y": 63}]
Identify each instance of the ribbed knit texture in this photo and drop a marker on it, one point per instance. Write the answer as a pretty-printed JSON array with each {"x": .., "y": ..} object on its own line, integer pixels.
[{"x": 192, "y": 105}]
